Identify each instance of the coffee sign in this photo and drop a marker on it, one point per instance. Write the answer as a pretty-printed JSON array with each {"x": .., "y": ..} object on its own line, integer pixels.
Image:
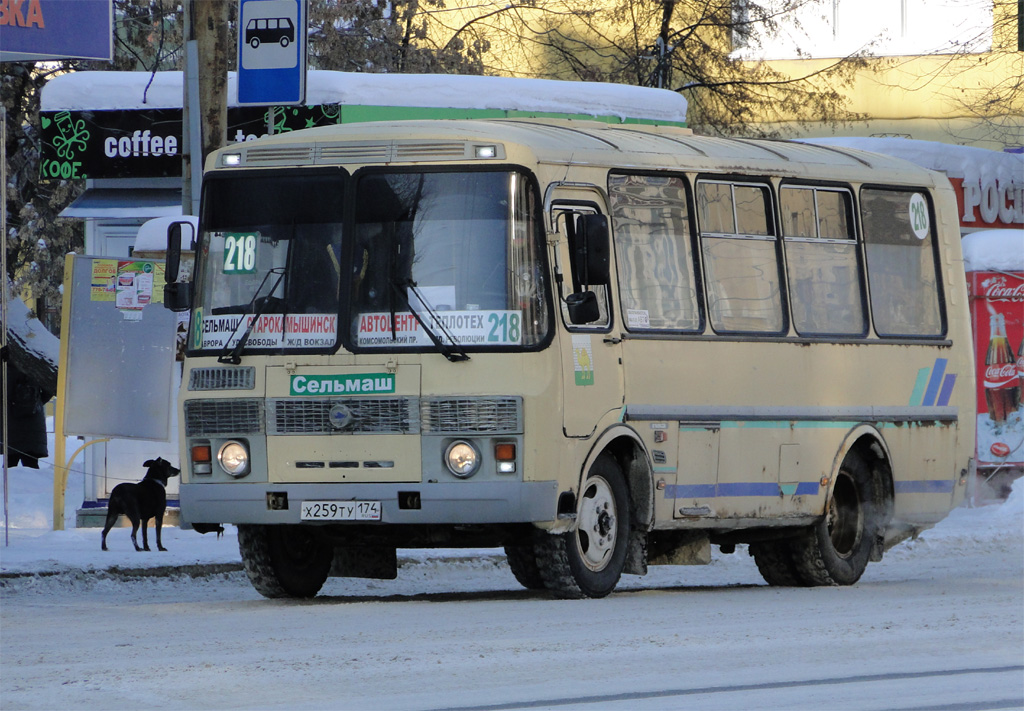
[{"x": 147, "y": 143}]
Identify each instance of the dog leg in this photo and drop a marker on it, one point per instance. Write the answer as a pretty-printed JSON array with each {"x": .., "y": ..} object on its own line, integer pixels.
[
  {"x": 135, "y": 530},
  {"x": 108, "y": 524},
  {"x": 158, "y": 523},
  {"x": 145, "y": 537}
]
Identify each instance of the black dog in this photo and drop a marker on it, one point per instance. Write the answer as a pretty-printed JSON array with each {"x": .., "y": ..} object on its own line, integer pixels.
[{"x": 141, "y": 502}]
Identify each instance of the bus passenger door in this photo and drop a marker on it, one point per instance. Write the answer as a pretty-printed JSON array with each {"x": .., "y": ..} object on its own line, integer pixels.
[
  {"x": 695, "y": 490},
  {"x": 592, "y": 384}
]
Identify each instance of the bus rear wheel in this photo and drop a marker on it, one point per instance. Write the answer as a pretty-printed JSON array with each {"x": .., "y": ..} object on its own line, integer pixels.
[
  {"x": 284, "y": 561},
  {"x": 835, "y": 551},
  {"x": 588, "y": 561}
]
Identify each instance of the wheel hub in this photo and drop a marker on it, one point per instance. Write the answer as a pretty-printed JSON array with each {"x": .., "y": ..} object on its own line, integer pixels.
[{"x": 596, "y": 533}]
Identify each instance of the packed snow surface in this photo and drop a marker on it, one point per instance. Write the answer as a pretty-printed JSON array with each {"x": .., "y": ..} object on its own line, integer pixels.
[{"x": 937, "y": 624}]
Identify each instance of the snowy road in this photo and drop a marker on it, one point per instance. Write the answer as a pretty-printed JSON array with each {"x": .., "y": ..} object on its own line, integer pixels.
[{"x": 939, "y": 624}]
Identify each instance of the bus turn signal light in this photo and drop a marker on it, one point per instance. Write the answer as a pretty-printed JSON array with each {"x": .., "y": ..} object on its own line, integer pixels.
[{"x": 505, "y": 455}]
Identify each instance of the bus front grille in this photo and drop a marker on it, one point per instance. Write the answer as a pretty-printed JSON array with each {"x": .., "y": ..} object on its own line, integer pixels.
[
  {"x": 214, "y": 417},
  {"x": 472, "y": 415},
  {"x": 226, "y": 378},
  {"x": 295, "y": 416}
]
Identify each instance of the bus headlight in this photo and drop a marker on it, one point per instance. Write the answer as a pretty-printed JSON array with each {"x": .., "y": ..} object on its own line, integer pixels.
[
  {"x": 462, "y": 459},
  {"x": 233, "y": 458}
]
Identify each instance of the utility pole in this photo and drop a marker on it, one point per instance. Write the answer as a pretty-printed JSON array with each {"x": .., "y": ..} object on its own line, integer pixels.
[{"x": 204, "y": 101}]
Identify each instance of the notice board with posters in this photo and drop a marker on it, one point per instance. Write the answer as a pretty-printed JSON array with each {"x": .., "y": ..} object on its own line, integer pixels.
[{"x": 120, "y": 350}]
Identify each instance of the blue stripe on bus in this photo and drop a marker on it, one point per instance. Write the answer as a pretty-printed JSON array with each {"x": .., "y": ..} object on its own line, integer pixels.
[
  {"x": 932, "y": 392},
  {"x": 712, "y": 491},
  {"x": 947, "y": 389},
  {"x": 690, "y": 491},
  {"x": 924, "y": 486}
]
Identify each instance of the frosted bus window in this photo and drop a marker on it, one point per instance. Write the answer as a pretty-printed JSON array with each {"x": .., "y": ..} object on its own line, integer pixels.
[
  {"x": 651, "y": 225},
  {"x": 741, "y": 264},
  {"x": 825, "y": 290},
  {"x": 902, "y": 276}
]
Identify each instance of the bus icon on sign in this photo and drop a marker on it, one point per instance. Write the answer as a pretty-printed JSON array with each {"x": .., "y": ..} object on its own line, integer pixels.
[{"x": 270, "y": 30}]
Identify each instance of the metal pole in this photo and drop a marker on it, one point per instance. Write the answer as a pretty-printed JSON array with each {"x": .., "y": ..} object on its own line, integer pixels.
[{"x": 3, "y": 308}]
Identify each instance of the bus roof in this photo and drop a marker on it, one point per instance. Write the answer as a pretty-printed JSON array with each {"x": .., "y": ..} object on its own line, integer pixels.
[{"x": 561, "y": 141}]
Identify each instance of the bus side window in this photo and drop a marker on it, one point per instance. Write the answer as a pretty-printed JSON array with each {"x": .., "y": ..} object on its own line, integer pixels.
[
  {"x": 903, "y": 280},
  {"x": 825, "y": 288},
  {"x": 657, "y": 286},
  {"x": 741, "y": 264}
]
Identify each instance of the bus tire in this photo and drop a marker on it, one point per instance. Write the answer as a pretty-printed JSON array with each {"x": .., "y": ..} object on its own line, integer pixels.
[
  {"x": 522, "y": 560},
  {"x": 284, "y": 561},
  {"x": 835, "y": 550},
  {"x": 588, "y": 561},
  {"x": 254, "y": 42},
  {"x": 774, "y": 560}
]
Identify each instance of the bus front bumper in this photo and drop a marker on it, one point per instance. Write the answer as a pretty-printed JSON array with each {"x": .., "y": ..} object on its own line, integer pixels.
[{"x": 438, "y": 503}]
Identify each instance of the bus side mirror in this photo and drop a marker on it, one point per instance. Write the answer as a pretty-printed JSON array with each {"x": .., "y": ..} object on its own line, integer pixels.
[
  {"x": 177, "y": 295},
  {"x": 591, "y": 249},
  {"x": 582, "y": 307}
]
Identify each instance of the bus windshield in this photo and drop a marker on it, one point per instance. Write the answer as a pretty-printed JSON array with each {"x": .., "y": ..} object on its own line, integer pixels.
[
  {"x": 446, "y": 259},
  {"x": 270, "y": 262}
]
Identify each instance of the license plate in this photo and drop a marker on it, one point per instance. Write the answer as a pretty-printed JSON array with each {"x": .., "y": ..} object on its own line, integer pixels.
[{"x": 340, "y": 511}]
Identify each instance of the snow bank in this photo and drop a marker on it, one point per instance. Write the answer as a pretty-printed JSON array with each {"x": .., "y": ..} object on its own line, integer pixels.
[
  {"x": 994, "y": 250},
  {"x": 82, "y": 91}
]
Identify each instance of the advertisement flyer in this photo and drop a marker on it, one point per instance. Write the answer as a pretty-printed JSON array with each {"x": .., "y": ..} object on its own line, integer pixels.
[{"x": 997, "y": 304}]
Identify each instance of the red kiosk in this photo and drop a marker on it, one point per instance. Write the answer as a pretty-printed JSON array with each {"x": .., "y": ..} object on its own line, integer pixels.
[{"x": 994, "y": 262}]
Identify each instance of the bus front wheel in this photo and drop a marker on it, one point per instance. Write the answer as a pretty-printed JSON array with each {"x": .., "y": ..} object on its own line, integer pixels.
[
  {"x": 589, "y": 561},
  {"x": 835, "y": 551},
  {"x": 284, "y": 561}
]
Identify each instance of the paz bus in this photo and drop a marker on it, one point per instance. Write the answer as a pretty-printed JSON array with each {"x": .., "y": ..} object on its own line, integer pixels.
[{"x": 601, "y": 347}]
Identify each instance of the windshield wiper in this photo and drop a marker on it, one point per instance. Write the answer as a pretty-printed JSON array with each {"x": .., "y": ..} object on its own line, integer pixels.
[
  {"x": 233, "y": 357},
  {"x": 450, "y": 350}
]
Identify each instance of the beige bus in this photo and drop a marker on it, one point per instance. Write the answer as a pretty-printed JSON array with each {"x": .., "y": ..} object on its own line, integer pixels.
[{"x": 598, "y": 346}]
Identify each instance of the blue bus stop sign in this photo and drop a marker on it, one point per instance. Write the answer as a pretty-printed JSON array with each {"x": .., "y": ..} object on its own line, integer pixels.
[{"x": 271, "y": 52}]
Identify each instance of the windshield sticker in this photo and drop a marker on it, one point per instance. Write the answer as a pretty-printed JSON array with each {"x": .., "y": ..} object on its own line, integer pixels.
[
  {"x": 240, "y": 252},
  {"x": 638, "y": 318},
  {"x": 361, "y": 384},
  {"x": 583, "y": 359},
  {"x": 270, "y": 331},
  {"x": 467, "y": 328}
]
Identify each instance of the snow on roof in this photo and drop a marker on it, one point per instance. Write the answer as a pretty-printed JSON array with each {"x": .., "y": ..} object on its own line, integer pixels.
[
  {"x": 97, "y": 91},
  {"x": 971, "y": 164},
  {"x": 994, "y": 250},
  {"x": 152, "y": 235}
]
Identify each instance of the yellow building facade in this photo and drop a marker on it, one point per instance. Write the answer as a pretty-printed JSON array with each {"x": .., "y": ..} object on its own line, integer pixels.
[{"x": 936, "y": 70}]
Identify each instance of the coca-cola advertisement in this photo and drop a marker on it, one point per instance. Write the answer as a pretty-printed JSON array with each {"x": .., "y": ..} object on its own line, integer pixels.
[{"x": 997, "y": 304}]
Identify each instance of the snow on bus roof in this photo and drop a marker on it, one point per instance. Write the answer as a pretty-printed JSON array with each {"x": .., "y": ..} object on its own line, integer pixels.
[
  {"x": 971, "y": 163},
  {"x": 98, "y": 91}
]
